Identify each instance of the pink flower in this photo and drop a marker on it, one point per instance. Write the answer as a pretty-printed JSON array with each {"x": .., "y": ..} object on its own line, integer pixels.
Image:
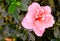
[{"x": 38, "y": 18}]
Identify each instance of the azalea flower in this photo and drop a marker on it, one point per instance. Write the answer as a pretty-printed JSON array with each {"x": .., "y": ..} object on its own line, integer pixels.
[{"x": 38, "y": 18}]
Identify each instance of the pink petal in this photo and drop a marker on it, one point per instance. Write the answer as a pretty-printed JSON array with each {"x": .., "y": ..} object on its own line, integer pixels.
[
  {"x": 51, "y": 21},
  {"x": 26, "y": 24},
  {"x": 38, "y": 32},
  {"x": 48, "y": 22},
  {"x": 30, "y": 17},
  {"x": 40, "y": 25},
  {"x": 35, "y": 8},
  {"x": 47, "y": 9}
]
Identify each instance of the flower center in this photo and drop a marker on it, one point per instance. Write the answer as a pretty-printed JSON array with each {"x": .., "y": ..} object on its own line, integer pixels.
[{"x": 40, "y": 17}]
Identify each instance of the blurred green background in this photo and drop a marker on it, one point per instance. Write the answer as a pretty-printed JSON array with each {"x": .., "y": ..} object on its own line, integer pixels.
[{"x": 12, "y": 13}]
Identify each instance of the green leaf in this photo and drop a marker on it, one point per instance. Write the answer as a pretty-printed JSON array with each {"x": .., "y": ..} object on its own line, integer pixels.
[
  {"x": 8, "y": 1},
  {"x": 1, "y": 22},
  {"x": 56, "y": 32},
  {"x": 18, "y": 3},
  {"x": 55, "y": 39},
  {"x": 1, "y": 37},
  {"x": 25, "y": 1},
  {"x": 0, "y": 0},
  {"x": 31, "y": 36},
  {"x": 24, "y": 37},
  {"x": 23, "y": 34},
  {"x": 59, "y": 35},
  {"x": 23, "y": 7},
  {"x": 12, "y": 8},
  {"x": 12, "y": 26},
  {"x": 37, "y": 0},
  {"x": 15, "y": 14},
  {"x": 9, "y": 30},
  {"x": 13, "y": 0}
]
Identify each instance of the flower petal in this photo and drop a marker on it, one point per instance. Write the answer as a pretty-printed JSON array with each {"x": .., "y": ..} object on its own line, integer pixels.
[
  {"x": 51, "y": 21},
  {"x": 38, "y": 32},
  {"x": 35, "y": 8},
  {"x": 30, "y": 17},
  {"x": 40, "y": 25},
  {"x": 26, "y": 24},
  {"x": 47, "y": 9}
]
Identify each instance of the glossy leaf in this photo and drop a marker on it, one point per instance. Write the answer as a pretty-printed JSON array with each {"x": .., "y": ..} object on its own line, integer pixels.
[
  {"x": 55, "y": 39},
  {"x": 1, "y": 22},
  {"x": 12, "y": 26},
  {"x": 1, "y": 37},
  {"x": 37, "y": 0},
  {"x": 12, "y": 8},
  {"x": 8, "y": 1},
  {"x": 23, "y": 7},
  {"x": 18, "y": 3},
  {"x": 15, "y": 15},
  {"x": 0, "y": 0},
  {"x": 25, "y": 1},
  {"x": 56, "y": 32},
  {"x": 13, "y": 0},
  {"x": 8, "y": 31},
  {"x": 31, "y": 36}
]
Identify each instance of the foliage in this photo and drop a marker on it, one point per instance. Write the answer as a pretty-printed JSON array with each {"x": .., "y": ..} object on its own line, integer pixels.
[{"x": 12, "y": 13}]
